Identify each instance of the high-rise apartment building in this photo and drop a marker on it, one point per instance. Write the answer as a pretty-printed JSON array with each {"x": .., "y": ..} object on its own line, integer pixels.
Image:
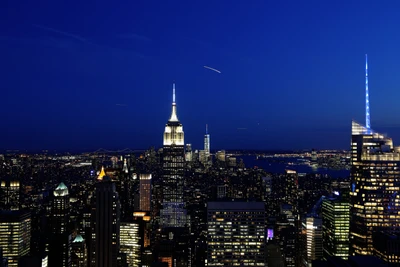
[
  {"x": 236, "y": 234},
  {"x": 173, "y": 213},
  {"x": 15, "y": 235},
  {"x": 375, "y": 175},
  {"x": 145, "y": 192},
  {"x": 336, "y": 227},
  {"x": 9, "y": 194},
  {"x": 105, "y": 225}
]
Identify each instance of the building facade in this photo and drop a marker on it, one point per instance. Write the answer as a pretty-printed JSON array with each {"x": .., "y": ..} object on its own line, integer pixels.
[
  {"x": 15, "y": 235},
  {"x": 311, "y": 240},
  {"x": 145, "y": 192},
  {"x": 336, "y": 227},
  {"x": 236, "y": 234}
]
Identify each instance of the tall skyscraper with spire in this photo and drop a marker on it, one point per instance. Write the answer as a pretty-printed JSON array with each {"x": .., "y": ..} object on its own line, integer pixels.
[
  {"x": 173, "y": 213},
  {"x": 375, "y": 175},
  {"x": 207, "y": 144}
]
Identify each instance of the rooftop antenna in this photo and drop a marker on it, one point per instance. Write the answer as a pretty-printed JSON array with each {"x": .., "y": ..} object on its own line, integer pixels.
[
  {"x": 367, "y": 112},
  {"x": 206, "y": 128},
  {"x": 173, "y": 93}
]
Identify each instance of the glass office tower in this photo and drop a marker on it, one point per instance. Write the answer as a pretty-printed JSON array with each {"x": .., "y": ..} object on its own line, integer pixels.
[{"x": 375, "y": 175}]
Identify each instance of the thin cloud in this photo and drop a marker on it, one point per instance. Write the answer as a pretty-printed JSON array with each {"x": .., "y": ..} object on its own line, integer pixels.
[
  {"x": 134, "y": 36},
  {"x": 67, "y": 34}
]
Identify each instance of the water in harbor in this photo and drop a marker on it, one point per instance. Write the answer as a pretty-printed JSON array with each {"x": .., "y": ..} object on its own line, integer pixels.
[{"x": 280, "y": 167}]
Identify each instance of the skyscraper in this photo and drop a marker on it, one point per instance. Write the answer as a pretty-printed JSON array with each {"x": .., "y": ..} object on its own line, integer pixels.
[
  {"x": 311, "y": 240},
  {"x": 15, "y": 235},
  {"x": 9, "y": 194},
  {"x": 105, "y": 225},
  {"x": 207, "y": 144},
  {"x": 60, "y": 209},
  {"x": 130, "y": 242},
  {"x": 173, "y": 213},
  {"x": 145, "y": 192},
  {"x": 60, "y": 240},
  {"x": 79, "y": 252},
  {"x": 336, "y": 227},
  {"x": 375, "y": 176},
  {"x": 236, "y": 234}
]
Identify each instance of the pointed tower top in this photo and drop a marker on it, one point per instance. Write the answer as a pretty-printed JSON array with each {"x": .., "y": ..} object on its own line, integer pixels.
[
  {"x": 102, "y": 174},
  {"x": 61, "y": 190},
  {"x": 173, "y": 93},
  {"x": 174, "y": 117},
  {"x": 206, "y": 128}
]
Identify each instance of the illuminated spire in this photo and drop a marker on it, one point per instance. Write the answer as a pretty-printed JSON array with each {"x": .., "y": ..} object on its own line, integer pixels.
[
  {"x": 125, "y": 168},
  {"x": 206, "y": 128},
  {"x": 173, "y": 93},
  {"x": 367, "y": 112},
  {"x": 102, "y": 174},
  {"x": 174, "y": 117}
]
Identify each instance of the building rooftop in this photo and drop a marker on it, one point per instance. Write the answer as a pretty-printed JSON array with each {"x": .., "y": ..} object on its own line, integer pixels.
[
  {"x": 236, "y": 205},
  {"x": 78, "y": 238},
  {"x": 61, "y": 190}
]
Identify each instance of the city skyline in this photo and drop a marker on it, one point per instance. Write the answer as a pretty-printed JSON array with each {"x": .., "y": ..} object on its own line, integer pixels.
[{"x": 108, "y": 85}]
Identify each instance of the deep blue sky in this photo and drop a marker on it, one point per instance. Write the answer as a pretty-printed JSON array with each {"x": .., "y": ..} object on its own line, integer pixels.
[{"x": 292, "y": 72}]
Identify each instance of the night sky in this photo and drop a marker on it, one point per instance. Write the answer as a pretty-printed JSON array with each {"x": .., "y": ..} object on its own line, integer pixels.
[{"x": 91, "y": 74}]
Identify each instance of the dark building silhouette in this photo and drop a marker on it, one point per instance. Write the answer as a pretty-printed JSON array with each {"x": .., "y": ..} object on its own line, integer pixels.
[
  {"x": 60, "y": 238},
  {"x": 105, "y": 225}
]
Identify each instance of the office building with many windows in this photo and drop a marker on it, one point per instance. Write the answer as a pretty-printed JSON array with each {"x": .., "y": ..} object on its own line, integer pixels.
[
  {"x": 336, "y": 227},
  {"x": 15, "y": 235},
  {"x": 374, "y": 197},
  {"x": 236, "y": 233}
]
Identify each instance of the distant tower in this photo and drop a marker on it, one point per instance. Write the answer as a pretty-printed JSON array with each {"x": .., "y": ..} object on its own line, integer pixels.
[
  {"x": 172, "y": 213},
  {"x": 207, "y": 144},
  {"x": 125, "y": 168},
  {"x": 102, "y": 174},
  {"x": 60, "y": 209},
  {"x": 105, "y": 225},
  {"x": 367, "y": 111},
  {"x": 145, "y": 192}
]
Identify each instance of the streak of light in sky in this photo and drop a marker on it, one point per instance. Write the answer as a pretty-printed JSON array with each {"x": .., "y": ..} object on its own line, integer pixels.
[{"x": 212, "y": 69}]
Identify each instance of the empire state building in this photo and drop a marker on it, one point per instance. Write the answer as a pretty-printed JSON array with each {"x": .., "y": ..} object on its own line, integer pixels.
[{"x": 173, "y": 213}]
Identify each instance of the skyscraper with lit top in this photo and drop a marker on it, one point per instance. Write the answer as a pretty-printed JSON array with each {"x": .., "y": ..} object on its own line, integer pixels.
[
  {"x": 173, "y": 213},
  {"x": 60, "y": 242},
  {"x": 375, "y": 176}
]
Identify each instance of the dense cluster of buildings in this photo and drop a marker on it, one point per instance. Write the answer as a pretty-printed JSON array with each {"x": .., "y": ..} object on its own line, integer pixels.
[{"x": 183, "y": 207}]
